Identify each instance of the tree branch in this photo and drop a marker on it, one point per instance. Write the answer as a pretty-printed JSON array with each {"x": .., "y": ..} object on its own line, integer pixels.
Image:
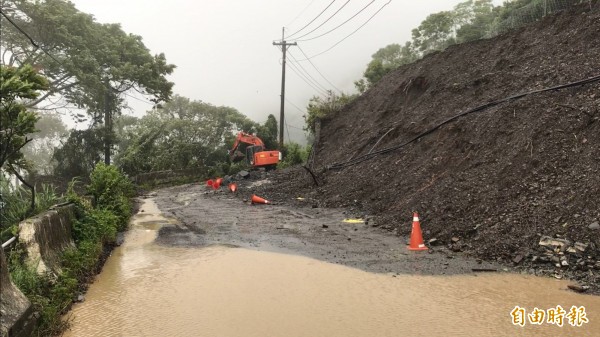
[
  {"x": 31, "y": 187},
  {"x": 50, "y": 93}
]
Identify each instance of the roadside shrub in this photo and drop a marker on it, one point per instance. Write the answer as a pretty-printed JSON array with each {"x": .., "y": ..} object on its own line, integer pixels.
[
  {"x": 111, "y": 191},
  {"x": 294, "y": 154},
  {"x": 98, "y": 225}
]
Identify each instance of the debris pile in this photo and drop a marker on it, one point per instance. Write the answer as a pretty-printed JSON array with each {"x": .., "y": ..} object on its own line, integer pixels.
[{"x": 493, "y": 184}]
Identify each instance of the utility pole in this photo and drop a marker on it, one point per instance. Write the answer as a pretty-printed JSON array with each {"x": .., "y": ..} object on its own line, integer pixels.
[{"x": 284, "y": 46}]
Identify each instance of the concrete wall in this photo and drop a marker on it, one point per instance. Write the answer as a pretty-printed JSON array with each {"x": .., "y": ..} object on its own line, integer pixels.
[{"x": 44, "y": 237}]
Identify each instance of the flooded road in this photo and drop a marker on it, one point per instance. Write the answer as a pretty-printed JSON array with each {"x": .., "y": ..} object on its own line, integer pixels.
[{"x": 146, "y": 289}]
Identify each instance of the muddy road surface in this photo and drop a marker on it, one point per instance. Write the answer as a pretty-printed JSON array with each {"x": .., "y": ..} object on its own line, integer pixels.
[{"x": 205, "y": 217}]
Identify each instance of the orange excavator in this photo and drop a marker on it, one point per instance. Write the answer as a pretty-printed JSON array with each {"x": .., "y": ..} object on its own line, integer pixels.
[{"x": 255, "y": 153}]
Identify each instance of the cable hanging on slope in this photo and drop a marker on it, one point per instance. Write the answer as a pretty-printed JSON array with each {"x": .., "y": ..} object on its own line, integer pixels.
[{"x": 337, "y": 166}]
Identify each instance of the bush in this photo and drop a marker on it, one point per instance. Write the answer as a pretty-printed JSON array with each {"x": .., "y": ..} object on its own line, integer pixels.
[
  {"x": 95, "y": 226},
  {"x": 111, "y": 191},
  {"x": 294, "y": 154}
]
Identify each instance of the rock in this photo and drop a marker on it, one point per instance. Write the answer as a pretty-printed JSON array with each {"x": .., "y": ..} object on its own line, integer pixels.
[
  {"x": 244, "y": 174},
  {"x": 578, "y": 288},
  {"x": 594, "y": 225},
  {"x": 548, "y": 242},
  {"x": 120, "y": 238},
  {"x": 434, "y": 242},
  {"x": 455, "y": 239},
  {"x": 324, "y": 226},
  {"x": 564, "y": 261},
  {"x": 580, "y": 247},
  {"x": 80, "y": 298},
  {"x": 517, "y": 259}
]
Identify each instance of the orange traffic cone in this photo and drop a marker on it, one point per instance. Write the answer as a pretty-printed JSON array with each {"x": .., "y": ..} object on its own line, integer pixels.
[
  {"x": 233, "y": 187},
  {"x": 209, "y": 182},
  {"x": 217, "y": 183},
  {"x": 416, "y": 237},
  {"x": 258, "y": 200}
]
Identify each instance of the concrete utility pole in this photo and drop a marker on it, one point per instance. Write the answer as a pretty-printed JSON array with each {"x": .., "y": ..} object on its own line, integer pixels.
[{"x": 284, "y": 46}]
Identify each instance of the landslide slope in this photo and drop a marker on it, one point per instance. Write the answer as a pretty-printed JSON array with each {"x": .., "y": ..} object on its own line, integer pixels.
[{"x": 516, "y": 171}]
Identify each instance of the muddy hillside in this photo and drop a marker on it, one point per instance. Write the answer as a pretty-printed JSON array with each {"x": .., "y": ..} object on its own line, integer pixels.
[{"x": 494, "y": 182}]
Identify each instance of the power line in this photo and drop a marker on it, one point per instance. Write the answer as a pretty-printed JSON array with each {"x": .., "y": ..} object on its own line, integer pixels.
[
  {"x": 314, "y": 80},
  {"x": 295, "y": 106},
  {"x": 313, "y": 20},
  {"x": 306, "y": 80},
  {"x": 324, "y": 22},
  {"x": 347, "y": 36},
  {"x": 139, "y": 99},
  {"x": 30, "y": 38},
  {"x": 302, "y": 12},
  {"x": 343, "y": 23},
  {"x": 314, "y": 66}
]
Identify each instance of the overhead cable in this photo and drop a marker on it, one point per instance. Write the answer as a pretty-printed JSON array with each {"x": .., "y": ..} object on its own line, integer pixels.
[
  {"x": 318, "y": 71},
  {"x": 324, "y": 22},
  {"x": 311, "y": 21},
  {"x": 299, "y": 39},
  {"x": 306, "y": 72},
  {"x": 347, "y": 36}
]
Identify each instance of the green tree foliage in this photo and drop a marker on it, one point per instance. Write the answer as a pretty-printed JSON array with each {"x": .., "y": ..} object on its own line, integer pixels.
[
  {"x": 294, "y": 154},
  {"x": 97, "y": 62},
  {"x": 16, "y": 121},
  {"x": 319, "y": 108},
  {"x": 469, "y": 20},
  {"x": 182, "y": 134},
  {"x": 79, "y": 153},
  {"x": 385, "y": 60},
  {"x": 436, "y": 32},
  {"x": 268, "y": 133}
]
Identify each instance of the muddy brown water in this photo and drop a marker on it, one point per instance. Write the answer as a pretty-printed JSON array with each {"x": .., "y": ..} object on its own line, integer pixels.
[{"x": 147, "y": 289}]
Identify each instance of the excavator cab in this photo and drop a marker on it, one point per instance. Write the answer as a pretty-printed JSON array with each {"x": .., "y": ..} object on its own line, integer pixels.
[{"x": 251, "y": 151}]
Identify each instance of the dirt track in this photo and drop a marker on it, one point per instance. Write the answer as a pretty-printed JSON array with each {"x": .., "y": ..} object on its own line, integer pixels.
[{"x": 207, "y": 218}]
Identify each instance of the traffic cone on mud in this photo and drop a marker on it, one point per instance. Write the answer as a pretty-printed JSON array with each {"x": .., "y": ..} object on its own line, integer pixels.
[
  {"x": 258, "y": 200},
  {"x": 209, "y": 183},
  {"x": 233, "y": 187},
  {"x": 416, "y": 236}
]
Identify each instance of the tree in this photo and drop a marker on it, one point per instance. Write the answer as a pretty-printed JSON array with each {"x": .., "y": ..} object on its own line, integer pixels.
[
  {"x": 182, "y": 134},
  {"x": 268, "y": 133},
  {"x": 385, "y": 60},
  {"x": 473, "y": 20},
  {"x": 92, "y": 64},
  {"x": 319, "y": 108},
  {"x": 16, "y": 121},
  {"x": 436, "y": 32},
  {"x": 79, "y": 154}
]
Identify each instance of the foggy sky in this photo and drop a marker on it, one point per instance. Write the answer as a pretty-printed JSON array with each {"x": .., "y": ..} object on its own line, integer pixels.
[{"x": 224, "y": 54}]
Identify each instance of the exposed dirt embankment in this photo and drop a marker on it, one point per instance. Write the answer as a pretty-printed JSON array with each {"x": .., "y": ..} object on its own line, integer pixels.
[{"x": 492, "y": 183}]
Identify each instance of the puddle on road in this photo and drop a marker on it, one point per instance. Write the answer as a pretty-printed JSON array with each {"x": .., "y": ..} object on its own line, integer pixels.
[{"x": 151, "y": 290}]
